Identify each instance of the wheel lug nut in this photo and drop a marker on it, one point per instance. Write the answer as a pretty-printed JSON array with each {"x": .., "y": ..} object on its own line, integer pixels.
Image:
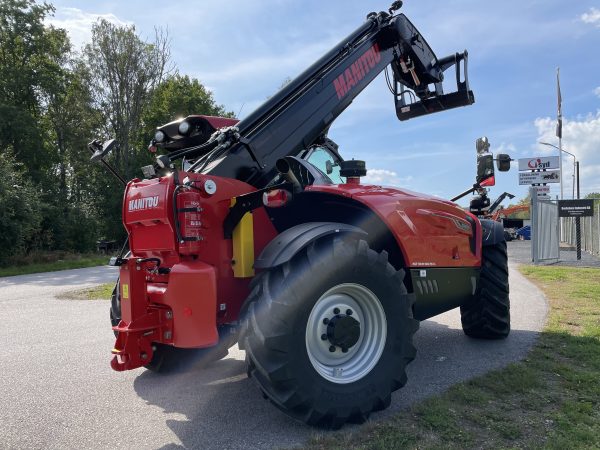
[
  {"x": 344, "y": 350},
  {"x": 324, "y": 337},
  {"x": 332, "y": 348},
  {"x": 336, "y": 310},
  {"x": 325, "y": 321},
  {"x": 348, "y": 312}
]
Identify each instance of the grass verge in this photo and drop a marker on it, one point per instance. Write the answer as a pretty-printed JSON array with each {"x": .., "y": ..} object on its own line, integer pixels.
[
  {"x": 549, "y": 400},
  {"x": 101, "y": 292},
  {"x": 51, "y": 263}
]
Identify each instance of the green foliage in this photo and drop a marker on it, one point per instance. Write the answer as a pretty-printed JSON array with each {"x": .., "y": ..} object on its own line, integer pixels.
[
  {"x": 124, "y": 70},
  {"x": 53, "y": 102},
  {"x": 179, "y": 96},
  {"x": 20, "y": 208}
]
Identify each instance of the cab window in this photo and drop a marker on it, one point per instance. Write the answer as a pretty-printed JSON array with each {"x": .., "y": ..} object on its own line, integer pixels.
[{"x": 323, "y": 160}]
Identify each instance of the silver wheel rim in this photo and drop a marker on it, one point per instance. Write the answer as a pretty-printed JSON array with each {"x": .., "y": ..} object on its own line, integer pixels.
[{"x": 337, "y": 366}]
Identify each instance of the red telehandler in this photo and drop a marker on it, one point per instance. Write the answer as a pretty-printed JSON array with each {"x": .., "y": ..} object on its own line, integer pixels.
[{"x": 268, "y": 238}]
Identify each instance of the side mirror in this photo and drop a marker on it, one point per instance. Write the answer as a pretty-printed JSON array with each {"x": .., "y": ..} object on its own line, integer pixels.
[
  {"x": 101, "y": 151},
  {"x": 503, "y": 162},
  {"x": 328, "y": 167}
]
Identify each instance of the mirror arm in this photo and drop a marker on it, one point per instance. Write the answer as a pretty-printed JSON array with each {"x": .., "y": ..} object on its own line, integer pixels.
[{"x": 108, "y": 166}]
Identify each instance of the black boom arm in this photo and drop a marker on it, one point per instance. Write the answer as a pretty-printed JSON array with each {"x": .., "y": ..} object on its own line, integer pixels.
[{"x": 305, "y": 108}]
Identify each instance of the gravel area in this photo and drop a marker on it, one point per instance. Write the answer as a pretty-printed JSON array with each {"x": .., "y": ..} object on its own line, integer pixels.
[{"x": 520, "y": 252}]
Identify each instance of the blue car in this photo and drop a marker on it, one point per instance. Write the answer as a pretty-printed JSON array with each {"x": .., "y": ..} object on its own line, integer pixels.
[{"x": 524, "y": 232}]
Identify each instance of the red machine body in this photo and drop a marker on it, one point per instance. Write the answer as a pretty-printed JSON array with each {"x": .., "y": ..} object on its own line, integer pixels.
[
  {"x": 195, "y": 290},
  {"x": 429, "y": 231},
  {"x": 178, "y": 284}
]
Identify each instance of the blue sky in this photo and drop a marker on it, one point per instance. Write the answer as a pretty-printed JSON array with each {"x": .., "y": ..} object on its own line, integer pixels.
[{"x": 243, "y": 50}]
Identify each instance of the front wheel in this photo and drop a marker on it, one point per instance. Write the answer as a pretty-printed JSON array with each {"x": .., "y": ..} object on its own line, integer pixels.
[
  {"x": 329, "y": 334},
  {"x": 487, "y": 315}
]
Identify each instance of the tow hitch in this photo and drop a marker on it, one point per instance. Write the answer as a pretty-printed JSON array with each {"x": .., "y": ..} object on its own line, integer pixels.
[{"x": 141, "y": 323}]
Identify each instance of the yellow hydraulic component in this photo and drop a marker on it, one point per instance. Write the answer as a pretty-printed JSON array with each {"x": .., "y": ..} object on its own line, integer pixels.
[{"x": 243, "y": 246}]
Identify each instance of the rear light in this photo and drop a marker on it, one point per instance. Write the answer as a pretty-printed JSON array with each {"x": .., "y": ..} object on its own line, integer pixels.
[
  {"x": 491, "y": 181},
  {"x": 276, "y": 198}
]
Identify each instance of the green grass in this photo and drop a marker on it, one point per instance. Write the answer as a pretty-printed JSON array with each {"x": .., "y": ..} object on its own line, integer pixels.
[
  {"x": 53, "y": 262},
  {"x": 550, "y": 400},
  {"x": 101, "y": 292}
]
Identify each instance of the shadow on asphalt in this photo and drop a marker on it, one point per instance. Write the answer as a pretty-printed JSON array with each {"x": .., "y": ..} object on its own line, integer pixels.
[{"x": 217, "y": 406}]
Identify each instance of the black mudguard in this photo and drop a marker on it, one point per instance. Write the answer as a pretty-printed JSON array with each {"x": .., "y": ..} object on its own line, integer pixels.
[
  {"x": 287, "y": 244},
  {"x": 493, "y": 232}
]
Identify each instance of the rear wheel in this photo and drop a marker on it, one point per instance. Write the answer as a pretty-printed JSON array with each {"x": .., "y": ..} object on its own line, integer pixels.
[
  {"x": 115, "y": 307},
  {"x": 487, "y": 316},
  {"x": 329, "y": 333}
]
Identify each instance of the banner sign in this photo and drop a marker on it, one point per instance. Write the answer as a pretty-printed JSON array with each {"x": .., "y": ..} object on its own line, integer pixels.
[
  {"x": 550, "y": 176},
  {"x": 575, "y": 208},
  {"x": 539, "y": 162}
]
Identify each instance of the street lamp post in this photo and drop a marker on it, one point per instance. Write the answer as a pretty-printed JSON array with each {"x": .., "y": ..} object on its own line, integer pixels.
[
  {"x": 562, "y": 150},
  {"x": 575, "y": 170}
]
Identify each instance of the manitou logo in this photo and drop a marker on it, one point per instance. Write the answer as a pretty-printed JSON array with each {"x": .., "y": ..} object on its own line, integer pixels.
[
  {"x": 357, "y": 71},
  {"x": 143, "y": 203},
  {"x": 538, "y": 164}
]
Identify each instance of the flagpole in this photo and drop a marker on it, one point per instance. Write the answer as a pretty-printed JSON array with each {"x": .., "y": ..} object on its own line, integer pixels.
[{"x": 559, "y": 129}]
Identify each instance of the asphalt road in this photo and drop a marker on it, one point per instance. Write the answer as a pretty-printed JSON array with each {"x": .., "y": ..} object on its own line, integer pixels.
[{"x": 57, "y": 389}]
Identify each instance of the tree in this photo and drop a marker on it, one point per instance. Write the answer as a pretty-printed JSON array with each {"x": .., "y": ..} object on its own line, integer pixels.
[
  {"x": 124, "y": 70},
  {"x": 31, "y": 55},
  {"x": 20, "y": 209},
  {"x": 179, "y": 96}
]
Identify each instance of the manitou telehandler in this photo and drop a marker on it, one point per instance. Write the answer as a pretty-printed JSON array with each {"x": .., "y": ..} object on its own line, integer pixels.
[{"x": 268, "y": 238}]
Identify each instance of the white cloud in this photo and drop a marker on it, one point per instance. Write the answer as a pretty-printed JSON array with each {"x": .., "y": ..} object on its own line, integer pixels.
[
  {"x": 580, "y": 137},
  {"x": 386, "y": 178},
  {"x": 592, "y": 17},
  {"x": 597, "y": 91},
  {"x": 504, "y": 148},
  {"x": 79, "y": 23}
]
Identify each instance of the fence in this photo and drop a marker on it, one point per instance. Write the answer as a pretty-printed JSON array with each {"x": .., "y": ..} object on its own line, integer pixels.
[{"x": 590, "y": 231}]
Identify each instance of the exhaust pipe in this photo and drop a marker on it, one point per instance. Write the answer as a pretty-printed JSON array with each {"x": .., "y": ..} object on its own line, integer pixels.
[{"x": 283, "y": 167}]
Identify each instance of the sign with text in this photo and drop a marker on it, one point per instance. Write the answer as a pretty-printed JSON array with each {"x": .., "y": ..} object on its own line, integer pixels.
[
  {"x": 539, "y": 162},
  {"x": 550, "y": 176},
  {"x": 575, "y": 208},
  {"x": 543, "y": 192}
]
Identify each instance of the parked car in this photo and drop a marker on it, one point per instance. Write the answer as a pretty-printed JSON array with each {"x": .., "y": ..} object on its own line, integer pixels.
[
  {"x": 524, "y": 233},
  {"x": 510, "y": 234}
]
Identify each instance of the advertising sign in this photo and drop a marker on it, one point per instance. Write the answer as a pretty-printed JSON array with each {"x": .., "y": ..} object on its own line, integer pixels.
[
  {"x": 550, "y": 176},
  {"x": 543, "y": 192},
  {"x": 575, "y": 208},
  {"x": 539, "y": 162}
]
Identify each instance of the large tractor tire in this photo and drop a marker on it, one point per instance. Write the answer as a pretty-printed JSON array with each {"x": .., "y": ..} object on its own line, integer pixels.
[
  {"x": 167, "y": 357},
  {"x": 329, "y": 333},
  {"x": 487, "y": 316}
]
